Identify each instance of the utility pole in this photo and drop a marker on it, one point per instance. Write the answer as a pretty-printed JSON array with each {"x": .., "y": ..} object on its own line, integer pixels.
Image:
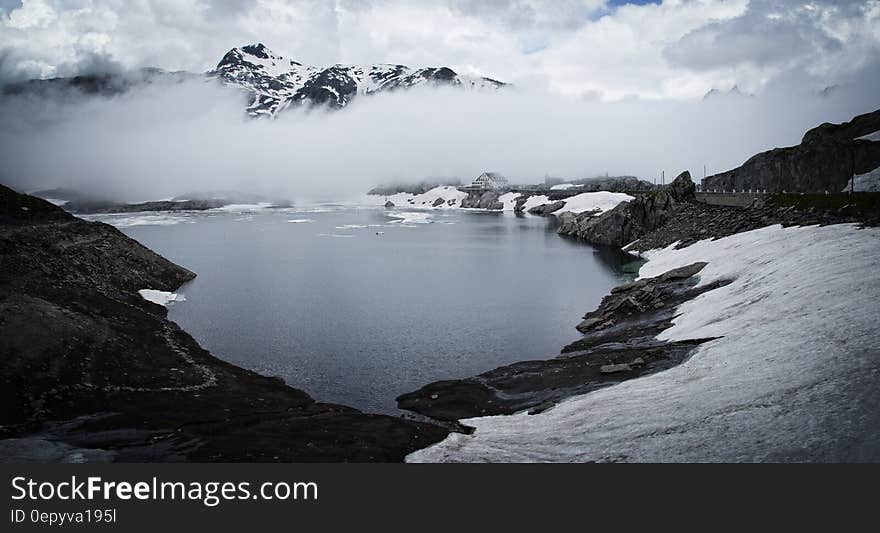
[
  {"x": 662, "y": 177},
  {"x": 852, "y": 174}
]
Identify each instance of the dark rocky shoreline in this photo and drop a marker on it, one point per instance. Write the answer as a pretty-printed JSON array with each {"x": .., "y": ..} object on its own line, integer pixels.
[
  {"x": 619, "y": 343},
  {"x": 116, "y": 380}
]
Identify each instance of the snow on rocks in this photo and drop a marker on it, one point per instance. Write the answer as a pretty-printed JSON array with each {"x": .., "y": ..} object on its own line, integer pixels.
[
  {"x": 161, "y": 297},
  {"x": 592, "y": 201},
  {"x": 443, "y": 197},
  {"x": 792, "y": 375}
]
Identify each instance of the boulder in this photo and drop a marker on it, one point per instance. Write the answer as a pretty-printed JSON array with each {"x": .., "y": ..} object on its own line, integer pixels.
[
  {"x": 389, "y": 204},
  {"x": 482, "y": 200},
  {"x": 546, "y": 209}
]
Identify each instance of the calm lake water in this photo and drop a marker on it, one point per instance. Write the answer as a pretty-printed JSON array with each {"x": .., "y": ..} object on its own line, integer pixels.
[{"x": 357, "y": 306}]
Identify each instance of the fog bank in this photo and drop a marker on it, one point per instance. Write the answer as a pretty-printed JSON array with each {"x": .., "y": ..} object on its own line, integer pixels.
[{"x": 168, "y": 139}]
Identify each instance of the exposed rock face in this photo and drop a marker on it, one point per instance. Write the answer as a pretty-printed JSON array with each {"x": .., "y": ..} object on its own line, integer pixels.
[
  {"x": 482, "y": 200},
  {"x": 613, "y": 184},
  {"x": 694, "y": 221},
  {"x": 619, "y": 343},
  {"x": 88, "y": 365},
  {"x": 547, "y": 209},
  {"x": 276, "y": 83},
  {"x": 828, "y": 156},
  {"x": 629, "y": 220}
]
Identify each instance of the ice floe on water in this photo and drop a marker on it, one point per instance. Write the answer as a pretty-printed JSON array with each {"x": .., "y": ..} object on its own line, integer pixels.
[
  {"x": 127, "y": 220},
  {"x": 243, "y": 208},
  {"x": 161, "y": 297},
  {"x": 336, "y": 235},
  {"x": 793, "y": 373},
  {"x": 352, "y": 226},
  {"x": 300, "y": 220},
  {"x": 409, "y": 217}
]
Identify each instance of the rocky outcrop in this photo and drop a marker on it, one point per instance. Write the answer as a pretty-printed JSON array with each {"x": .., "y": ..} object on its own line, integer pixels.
[
  {"x": 619, "y": 343},
  {"x": 828, "y": 156},
  {"x": 629, "y": 220},
  {"x": 626, "y": 184},
  {"x": 546, "y": 209},
  {"x": 92, "y": 370},
  {"x": 694, "y": 221},
  {"x": 482, "y": 200}
]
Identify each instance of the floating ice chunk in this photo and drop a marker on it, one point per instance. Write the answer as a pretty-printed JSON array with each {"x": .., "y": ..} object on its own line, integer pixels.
[
  {"x": 300, "y": 220},
  {"x": 407, "y": 217}
]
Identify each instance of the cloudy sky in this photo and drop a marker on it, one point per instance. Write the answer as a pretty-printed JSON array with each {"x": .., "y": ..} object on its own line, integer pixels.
[{"x": 605, "y": 49}]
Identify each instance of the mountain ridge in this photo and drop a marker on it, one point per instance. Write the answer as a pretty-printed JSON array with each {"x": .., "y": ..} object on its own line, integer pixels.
[
  {"x": 271, "y": 82},
  {"x": 276, "y": 83}
]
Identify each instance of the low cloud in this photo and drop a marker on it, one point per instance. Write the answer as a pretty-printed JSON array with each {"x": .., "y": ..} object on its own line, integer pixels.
[{"x": 167, "y": 139}]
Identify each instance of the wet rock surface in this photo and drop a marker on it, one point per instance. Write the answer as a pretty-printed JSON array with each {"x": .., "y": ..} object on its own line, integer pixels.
[
  {"x": 619, "y": 343},
  {"x": 92, "y": 371}
]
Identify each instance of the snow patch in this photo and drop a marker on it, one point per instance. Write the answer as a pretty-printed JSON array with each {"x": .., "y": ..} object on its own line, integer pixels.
[
  {"x": 508, "y": 199},
  {"x": 793, "y": 375},
  {"x": 875, "y": 136},
  {"x": 449, "y": 195},
  {"x": 867, "y": 182},
  {"x": 535, "y": 201},
  {"x": 590, "y": 201},
  {"x": 161, "y": 297},
  {"x": 562, "y": 186}
]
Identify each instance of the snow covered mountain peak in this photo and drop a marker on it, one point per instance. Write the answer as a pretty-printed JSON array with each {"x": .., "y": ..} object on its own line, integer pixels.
[{"x": 276, "y": 83}]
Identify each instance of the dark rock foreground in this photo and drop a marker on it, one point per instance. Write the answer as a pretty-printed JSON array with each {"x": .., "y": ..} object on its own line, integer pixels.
[{"x": 92, "y": 371}]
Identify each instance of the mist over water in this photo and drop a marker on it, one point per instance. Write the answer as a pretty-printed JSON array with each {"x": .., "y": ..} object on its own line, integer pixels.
[{"x": 167, "y": 139}]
